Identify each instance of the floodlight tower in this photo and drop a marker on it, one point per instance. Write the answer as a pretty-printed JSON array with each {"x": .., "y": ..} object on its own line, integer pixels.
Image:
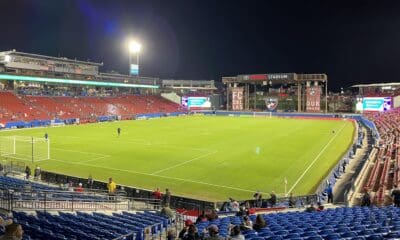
[{"x": 134, "y": 49}]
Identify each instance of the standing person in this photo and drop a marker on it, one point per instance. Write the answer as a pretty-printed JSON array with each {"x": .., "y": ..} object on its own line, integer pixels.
[
  {"x": 46, "y": 136},
  {"x": 329, "y": 191},
  {"x": 13, "y": 232},
  {"x": 111, "y": 189},
  {"x": 366, "y": 199},
  {"x": 272, "y": 199},
  {"x": 27, "y": 172},
  {"x": 90, "y": 181},
  {"x": 292, "y": 201},
  {"x": 257, "y": 199},
  {"x": 167, "y": 198},
  {"x": 119, "y": 131},
  {"x": 36, "y": 173},
  {"x": 396, "y": 196}
]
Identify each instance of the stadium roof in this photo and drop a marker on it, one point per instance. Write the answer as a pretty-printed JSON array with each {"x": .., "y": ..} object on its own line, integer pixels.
[
  {"x": 15, "y": 52},
  {"x": 377, "y": 85},
  {"x": 11, "y": 77}
]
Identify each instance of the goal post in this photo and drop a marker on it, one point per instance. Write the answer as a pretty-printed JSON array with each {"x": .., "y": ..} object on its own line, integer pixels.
[
  {"x": 262, "y": 114},
  {"x": 25, "y": 148}
]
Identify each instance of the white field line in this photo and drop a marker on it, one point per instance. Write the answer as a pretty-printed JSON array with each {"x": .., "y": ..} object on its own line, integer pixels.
[
  {"x": 316, "y": 158},
  {"x": 159, "y": 176},
  {"x": 183, "y": 163},
  {"x": 91, "y": 153},
  {"x": 94, "y": 159}
]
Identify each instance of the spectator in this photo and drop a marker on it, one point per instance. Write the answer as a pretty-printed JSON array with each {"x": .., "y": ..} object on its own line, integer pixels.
[
  {"x": 157, "y": 194},
  {"x": 90, "y": 181},
  {"x": 166, "y": 211},
  {"x": 236, "y": 234},
  {"x": 311, "y": 208},
  {"x": 13, "y": 232},
  {"x": 259, "y": 223},
  {"x": 111, "y": 189},
  {"x": 37, "y": 173},
  {"x": 201, "y": 218},
  {"x": 27, "y": 172},
  {"x": 79, "y": 188},
  {"x": 189, "y": 232},
  {"x": 292, "y": 201},
  {"x": 171, "y": 234},
  {"x": 320, "y": 207},
  {"x": 257, "y": 199},
  {"x": 247, "y": 224},
  {"x": 212, "y": 215},
  {"x": 329, "y": 191},
  {"x": 233, "y": 205},
  {"x": 4, "y": 223},
  {"x": 213, "y": 233},
  {"x": 272, "y": 199},
  {"x": 167, "y": 198},
  {"x": 366, "y": 199},
  {"x": 396, "y": 196}
]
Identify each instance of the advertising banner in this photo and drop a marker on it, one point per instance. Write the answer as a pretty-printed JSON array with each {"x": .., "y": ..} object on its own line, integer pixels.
[
  {"x": 313, "y": 97},
  {"x": 237, "y": 98}
]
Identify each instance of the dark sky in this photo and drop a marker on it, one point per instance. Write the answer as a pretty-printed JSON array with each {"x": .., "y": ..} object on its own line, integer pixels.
[{"x": 351, "y": 41}]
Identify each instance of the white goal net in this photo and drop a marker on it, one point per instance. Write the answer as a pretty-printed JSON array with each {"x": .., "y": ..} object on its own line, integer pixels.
[
  {"x": 25, "y": 148},
  {"x": 262, "y": 114}
]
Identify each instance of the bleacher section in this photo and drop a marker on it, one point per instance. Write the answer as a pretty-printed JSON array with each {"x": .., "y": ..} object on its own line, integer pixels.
[
  {"x": 90, "y": 226},
  {"x": 14, "y": 108},
  {"x": 385, "y": 172},
  {"x": 331, "y": 224}
]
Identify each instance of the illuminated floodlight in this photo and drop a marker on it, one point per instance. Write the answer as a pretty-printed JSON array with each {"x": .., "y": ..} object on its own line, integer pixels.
[
  {"x": 134, "y": 47},
  {"x": 7, "y": 58}
]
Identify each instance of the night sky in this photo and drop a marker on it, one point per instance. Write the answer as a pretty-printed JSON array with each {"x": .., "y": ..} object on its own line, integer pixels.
[{"x": 351, "y": 41}]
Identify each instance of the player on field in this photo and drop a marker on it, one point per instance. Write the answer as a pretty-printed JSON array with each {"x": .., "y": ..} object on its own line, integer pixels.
[
  {"x": 46, "y": 136},
  {"x": 119, "y": 131}
]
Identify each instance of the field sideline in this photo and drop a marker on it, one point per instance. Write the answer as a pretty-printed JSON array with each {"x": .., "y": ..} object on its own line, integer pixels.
[{"x": 203, "y": 157}]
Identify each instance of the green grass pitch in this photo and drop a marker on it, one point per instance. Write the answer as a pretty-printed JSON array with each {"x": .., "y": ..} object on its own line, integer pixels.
[{"x": 203, "y": 157}]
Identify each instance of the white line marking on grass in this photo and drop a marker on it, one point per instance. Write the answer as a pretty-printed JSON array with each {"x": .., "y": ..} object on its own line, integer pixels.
[
  {"x": 185, "y": 162},
  {"x": 316, "y": 158},
  {"x": 68, "y": 150},
  {"x": 159, "y": 176}
]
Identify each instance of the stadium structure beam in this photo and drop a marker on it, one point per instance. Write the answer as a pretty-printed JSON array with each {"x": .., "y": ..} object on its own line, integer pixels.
[{"x": 10, "y": 77}]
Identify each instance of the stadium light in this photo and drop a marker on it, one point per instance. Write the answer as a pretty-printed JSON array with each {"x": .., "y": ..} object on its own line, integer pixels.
[
  {"x": 134, "y": 47},
  {"x": 7, "y": 58}
]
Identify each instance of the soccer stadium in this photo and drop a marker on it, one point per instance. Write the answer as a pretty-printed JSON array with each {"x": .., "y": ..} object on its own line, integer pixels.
[{"x": 87, "y": 153}]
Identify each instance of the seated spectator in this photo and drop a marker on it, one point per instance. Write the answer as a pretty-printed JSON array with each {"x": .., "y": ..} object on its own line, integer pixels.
[
  {"x": 212, "y": 215},
  {"x": 311, "y": 208},
  {"x": 247, "y": 224},
  {"x": 171, "y": 234},
  {"x": 259, "y": 223},
  {"x": 320, "y": 207},
  {"x": 13, "y": 232},
  {"x": 236, "y": 234},
  {"x": 201, "y": 218},
  {"x": 190, "y": 233},
  {"x": 166, "y": 211},
  {"x": 213, "y": 233},
  {"x": 79, "y": 188},
  {"x": 4, "y": 223}
]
